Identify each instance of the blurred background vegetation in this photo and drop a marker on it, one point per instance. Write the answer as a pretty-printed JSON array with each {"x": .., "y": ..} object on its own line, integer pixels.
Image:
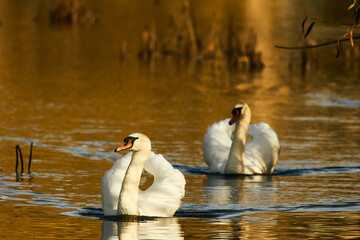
[{"x": 236, "y": 35}]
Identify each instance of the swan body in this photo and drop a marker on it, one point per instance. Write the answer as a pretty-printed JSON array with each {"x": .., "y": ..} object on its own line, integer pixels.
[
  {"x": 120, "y": 184},
  {"x": 227, "y": 152}
]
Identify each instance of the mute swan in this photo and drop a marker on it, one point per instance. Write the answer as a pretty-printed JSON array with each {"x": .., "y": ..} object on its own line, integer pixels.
[
  {"x": 120, "y": 185},
  {"x": 225, "y": 150}
]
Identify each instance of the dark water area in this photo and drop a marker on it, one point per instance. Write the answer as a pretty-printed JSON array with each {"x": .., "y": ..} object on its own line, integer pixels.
[{"x": 67, "y": 88}]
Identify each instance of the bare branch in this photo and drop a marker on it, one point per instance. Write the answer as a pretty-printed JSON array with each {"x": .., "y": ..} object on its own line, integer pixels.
[
  {"x": 332, "y": 22},
  {"x": 317, "y": 45}
]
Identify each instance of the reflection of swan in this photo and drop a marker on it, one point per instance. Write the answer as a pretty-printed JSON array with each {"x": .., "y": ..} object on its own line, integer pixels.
[
  {"x": 225, "y": 150},
  {"x": 120, "y": 184},
  {"x": 160, "y": 228},
  {"x": 249, "y": 191}
]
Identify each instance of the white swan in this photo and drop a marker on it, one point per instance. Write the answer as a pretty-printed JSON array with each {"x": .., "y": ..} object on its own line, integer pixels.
[
  {"x": 225, "y": 150},
  {"x": 120, "y": 185}
]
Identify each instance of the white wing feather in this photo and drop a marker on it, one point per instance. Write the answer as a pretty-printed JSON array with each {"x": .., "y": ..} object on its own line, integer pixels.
[
  {"x": 216, "y": 145},
  {"x": 111, "y": 184},
  {"x": 164, "y": 196}
]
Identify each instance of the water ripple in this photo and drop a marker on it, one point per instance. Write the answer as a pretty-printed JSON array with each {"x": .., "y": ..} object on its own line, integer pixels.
[
  {"x": 203, "y": 170},
  {"x": 233, "y": 210},
  {"x": 315, "y": 171},
  {"x": 221, "y": 211},
  {"x": 325, "y": 101}
]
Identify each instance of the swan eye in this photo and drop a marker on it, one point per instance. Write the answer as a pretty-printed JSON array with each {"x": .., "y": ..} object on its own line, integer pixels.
[
  {"x": 132, "y": 139},
  {"x": 235, "y": 110}
]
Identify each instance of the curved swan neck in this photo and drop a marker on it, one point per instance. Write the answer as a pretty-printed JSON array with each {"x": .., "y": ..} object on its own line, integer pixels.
[
  {"x": 128, "y": 199},
  {"x": 235, "y": 163}
]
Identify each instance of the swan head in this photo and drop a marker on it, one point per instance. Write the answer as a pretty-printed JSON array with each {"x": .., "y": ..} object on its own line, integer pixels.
[
  {"x": 238, "y": 111},
  {"x": 135, "y": 142}
]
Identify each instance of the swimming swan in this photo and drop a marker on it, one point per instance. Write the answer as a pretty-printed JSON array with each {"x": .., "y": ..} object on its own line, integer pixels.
[
  {"x": 225, "y": 150},
  {"x": 120, "y": 185}
]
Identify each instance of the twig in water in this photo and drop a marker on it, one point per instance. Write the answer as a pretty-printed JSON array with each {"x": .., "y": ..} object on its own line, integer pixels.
[
  {"x": 18, "y": 152},
  {"x": 30, "y": 156}
]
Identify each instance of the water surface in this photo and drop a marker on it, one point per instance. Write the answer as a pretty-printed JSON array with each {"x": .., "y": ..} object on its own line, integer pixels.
[{"x": 64, "y": 88}]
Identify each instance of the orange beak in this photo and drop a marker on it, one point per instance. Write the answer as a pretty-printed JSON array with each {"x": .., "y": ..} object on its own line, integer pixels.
[
  {"x": 125, "y": 146},
  {"x": 234, "y": 118}
]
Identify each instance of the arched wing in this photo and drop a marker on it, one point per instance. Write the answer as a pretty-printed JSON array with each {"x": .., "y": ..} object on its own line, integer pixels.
[
  {"x": 216, "y": 145},
  {"x": 262, "y": 153},
  {"x": 163, "y": 197}
]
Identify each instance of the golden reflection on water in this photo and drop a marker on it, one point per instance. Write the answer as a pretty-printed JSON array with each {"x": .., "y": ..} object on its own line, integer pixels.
[
  {"x": 65, "y": 88},
  {"x": 298, "y": 225},
  {"x": 24, "y": 221}
]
